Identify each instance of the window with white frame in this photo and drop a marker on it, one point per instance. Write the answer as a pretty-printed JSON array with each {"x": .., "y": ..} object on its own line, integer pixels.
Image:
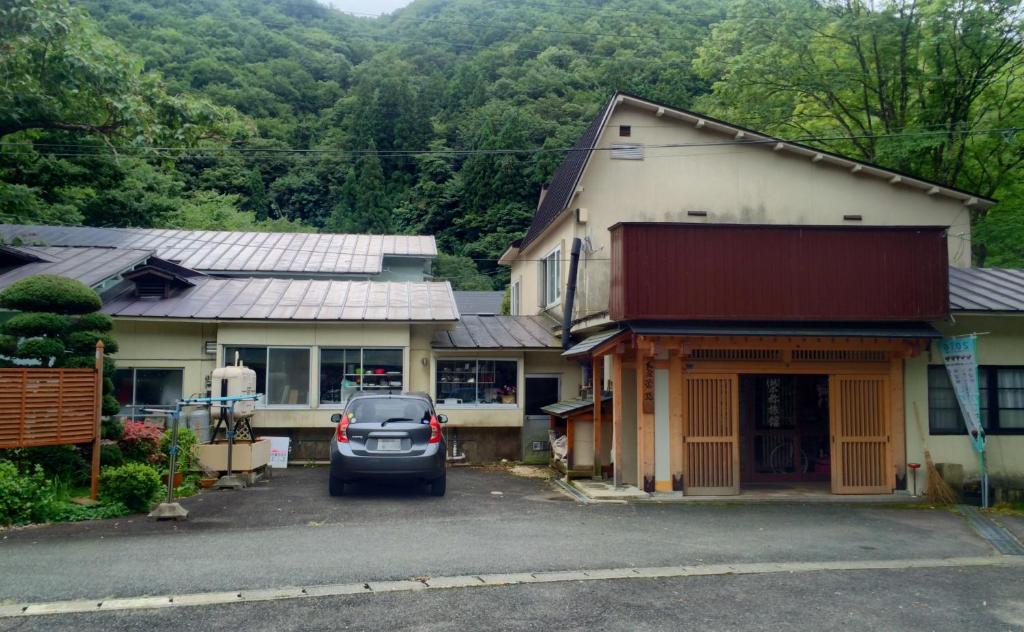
[
  {"x": 139, "y": 389},
  {"x": 551, "y": 278},
  {"x": 513, "y": 307},
  {"x": 477, "y": 382},
  {"x": 344, "y": 371},
  {"x": 282, "y": 373}
]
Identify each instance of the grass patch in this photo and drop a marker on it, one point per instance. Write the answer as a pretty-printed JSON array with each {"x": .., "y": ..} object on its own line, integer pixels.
[{"x": 1015, "y": 508}]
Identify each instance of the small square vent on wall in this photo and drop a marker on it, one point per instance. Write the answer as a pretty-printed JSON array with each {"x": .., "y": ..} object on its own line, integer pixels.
[{"x": 627, "y": 152}]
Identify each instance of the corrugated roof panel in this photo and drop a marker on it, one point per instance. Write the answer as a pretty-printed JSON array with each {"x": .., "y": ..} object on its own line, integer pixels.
[
  {"x": 986, "y": 289},
  {"x": 355, "y": 304},
  {"x": 290, "y": 300},
  {"x": 245, "y": 298},
  {"x": 377, "y": 302},
  {"x": 399, "y": 301},
  {"x": 587, "y": 345},
  {"x": 88, "y": 265},
  {"x": 265, "y": 303}
]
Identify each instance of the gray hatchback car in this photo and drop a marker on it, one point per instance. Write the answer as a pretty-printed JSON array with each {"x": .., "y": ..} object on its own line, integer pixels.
[{"x": 388, "y": 436}]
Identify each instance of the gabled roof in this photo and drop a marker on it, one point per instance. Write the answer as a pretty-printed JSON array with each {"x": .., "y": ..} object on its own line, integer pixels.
[
  {"x": 479, "y": 302},
  {"x": 235, "y": 252},
  {"x": 566, "y": 178},
  {"x": 91, "y": 266},
  {"x": 986, "y": 290},
  {"x": 498, "y": 332},
  {"x": 296, "y": 300}
]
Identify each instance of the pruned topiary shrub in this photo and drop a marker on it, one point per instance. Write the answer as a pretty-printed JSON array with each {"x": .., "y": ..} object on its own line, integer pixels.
[
  {"x": 49, "y": 293},
  {"x": 111, "y": 455},
  {"x": 133, "y": 484},
  {"x": 34, "y": 324},
  {"x": 46, "y": 351}
]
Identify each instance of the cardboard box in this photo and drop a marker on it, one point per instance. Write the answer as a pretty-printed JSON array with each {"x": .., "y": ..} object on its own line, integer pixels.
[{"x": 245, "y": 457}]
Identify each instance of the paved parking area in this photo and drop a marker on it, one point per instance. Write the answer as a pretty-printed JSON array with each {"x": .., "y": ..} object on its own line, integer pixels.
[{"x": 290, "y": 532}]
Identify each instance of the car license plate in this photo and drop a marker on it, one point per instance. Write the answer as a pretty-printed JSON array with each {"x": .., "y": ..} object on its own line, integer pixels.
[{"x": 389, "y": 444}]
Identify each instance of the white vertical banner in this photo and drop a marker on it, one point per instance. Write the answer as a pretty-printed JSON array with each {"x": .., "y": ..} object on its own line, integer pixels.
[{"x": 960, "y": 355}]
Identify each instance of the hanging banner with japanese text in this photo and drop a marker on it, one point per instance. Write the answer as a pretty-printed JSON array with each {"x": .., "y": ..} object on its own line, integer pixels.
[{"x": 960, "y": 356}]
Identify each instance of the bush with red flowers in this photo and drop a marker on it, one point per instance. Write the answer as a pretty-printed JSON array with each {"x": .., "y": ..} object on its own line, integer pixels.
[{"x": 141, "y": 442}]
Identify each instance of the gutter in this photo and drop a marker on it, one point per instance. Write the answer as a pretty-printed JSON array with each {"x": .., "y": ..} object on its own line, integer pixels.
[{"x": 570, "y": 293}]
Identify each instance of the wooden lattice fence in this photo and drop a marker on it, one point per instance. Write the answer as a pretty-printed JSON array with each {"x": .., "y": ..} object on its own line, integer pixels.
[{"x": 41, "y": 407}]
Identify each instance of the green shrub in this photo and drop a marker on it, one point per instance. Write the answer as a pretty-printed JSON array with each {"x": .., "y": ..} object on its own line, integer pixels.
[
  {"x": 111, "y": 428},
  {"x": 32, "y": 324},
  {"x": 133, "y": 484},
  {"x": 111, "y": 455},
  {"x": 71, "y": 512},
  {"x": 8, "y": 344},
  {"x": 84, "y": 342},
  {"x": 141, "y": 442},
  {"x": 49, "y": 293},
  {"x": 58, "y": 462},
  {"x": 42, "y": 349},
  {"x": 187, "y": 443},
  {"x": 24, "y": 497},
  {"x": 110, "y": 405},
  {"x": 96, "y": 321}
]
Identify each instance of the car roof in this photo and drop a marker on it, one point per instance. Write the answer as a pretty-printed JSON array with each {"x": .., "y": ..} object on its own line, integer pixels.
[{"x": 402, "y": 395}]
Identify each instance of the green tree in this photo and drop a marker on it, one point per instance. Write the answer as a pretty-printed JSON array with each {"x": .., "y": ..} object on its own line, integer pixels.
[{"x": 461, "y": 272}]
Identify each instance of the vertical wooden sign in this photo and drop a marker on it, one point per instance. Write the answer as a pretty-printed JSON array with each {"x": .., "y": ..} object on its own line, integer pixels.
[{"x": 648, "y": 379}]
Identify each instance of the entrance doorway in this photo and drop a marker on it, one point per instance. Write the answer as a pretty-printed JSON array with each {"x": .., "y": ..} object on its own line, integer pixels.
[
  {"x": 541, "y": 390},
  {"x": 784, "y": 429}
]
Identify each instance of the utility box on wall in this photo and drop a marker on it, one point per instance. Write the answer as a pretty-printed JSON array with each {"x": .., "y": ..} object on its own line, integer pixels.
[{"x": 536, "y": 448}]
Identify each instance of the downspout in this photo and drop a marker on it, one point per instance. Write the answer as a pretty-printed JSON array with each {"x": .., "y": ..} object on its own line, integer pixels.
[{"x": 570, "y": 292}]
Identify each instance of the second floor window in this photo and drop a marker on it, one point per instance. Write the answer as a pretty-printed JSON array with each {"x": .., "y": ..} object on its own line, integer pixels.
[
  {"x": 551, "y": 278},
  {"x": 513, "y": 300}
]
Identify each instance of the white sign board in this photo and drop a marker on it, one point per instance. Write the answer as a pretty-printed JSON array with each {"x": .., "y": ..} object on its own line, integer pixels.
[{"x": 278, "y": 451}]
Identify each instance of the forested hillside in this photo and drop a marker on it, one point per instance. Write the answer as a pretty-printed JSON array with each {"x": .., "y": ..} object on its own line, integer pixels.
[{"x": 288, "y": 115}]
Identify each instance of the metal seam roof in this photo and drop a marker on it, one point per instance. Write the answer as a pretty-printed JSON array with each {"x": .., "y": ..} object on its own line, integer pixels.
[
  {"x": 496, "y": 332},
  {"x": 90, "y": 266},
  {"x": 236, "y": 251},
  {"x": 986, "y": 289},
  {"x": 294, "y": 299}
]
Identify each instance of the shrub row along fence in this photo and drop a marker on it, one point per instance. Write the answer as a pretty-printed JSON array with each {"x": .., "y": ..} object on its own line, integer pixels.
[{"x": 41, "y": 407}]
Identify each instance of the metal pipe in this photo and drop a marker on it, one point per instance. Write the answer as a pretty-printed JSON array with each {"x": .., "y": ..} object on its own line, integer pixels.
[{"x": 570, "y": 292}]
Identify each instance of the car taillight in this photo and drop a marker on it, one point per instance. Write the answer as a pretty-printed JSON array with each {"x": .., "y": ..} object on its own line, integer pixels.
[
  {"x": 343, "y": 429},
  {"x": 435, "y": 430}
]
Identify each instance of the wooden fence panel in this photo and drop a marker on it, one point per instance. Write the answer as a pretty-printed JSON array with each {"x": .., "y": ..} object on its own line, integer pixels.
[{"x": 41, "y": 407}]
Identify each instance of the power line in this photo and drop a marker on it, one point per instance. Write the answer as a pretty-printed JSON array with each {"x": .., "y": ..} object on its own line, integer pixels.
[{"x": 77, "y": 150}]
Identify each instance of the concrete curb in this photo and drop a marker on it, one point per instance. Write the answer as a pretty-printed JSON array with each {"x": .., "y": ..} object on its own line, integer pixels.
[{"x": 79, "y": 606}]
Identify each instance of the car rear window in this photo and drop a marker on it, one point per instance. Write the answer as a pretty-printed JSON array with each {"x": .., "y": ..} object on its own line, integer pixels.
[{"x": 384, "y": 408}]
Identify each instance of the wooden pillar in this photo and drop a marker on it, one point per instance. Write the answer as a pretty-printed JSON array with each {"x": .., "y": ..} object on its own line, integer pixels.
[
  {"x": 597, "y": 383},
  {"x": 617, "y": 417},
  {"x": 644, "y": 417},
  {"x": 675, "y": 421},
  {"x": 94, "y": 486},
  {"x": 897, "y": 422}
]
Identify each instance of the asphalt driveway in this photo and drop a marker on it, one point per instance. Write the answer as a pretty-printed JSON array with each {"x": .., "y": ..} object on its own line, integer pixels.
[{"x": 291, "y": 532}]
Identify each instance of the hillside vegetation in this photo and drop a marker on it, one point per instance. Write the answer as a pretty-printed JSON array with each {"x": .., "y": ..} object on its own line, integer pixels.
[{"x": 288, "y": 115}]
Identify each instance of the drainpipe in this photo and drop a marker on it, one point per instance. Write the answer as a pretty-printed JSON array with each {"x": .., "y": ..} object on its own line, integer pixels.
[{"x": 570, "y": 292}]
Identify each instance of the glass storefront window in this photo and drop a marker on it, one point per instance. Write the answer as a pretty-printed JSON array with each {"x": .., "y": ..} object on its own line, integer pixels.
[{"x": 476, "y": 382}]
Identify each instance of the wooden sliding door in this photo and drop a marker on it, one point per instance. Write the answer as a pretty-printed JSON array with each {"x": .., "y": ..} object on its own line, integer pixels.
[
  {"x": 859, "y": 418},
  {"x": 711, "y": 429}
]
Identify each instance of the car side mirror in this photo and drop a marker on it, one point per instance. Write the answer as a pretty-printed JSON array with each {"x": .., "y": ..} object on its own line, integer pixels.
[
  {"x": 336, "y": 418},
  {"x": 442, "y": 419}
]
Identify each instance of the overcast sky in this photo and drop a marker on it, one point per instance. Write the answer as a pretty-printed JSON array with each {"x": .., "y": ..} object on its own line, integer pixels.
[{"x": 367, "y": 6}]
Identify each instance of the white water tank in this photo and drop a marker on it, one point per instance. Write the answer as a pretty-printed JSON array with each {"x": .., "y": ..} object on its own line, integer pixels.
[{"x": 230, "y": 381}]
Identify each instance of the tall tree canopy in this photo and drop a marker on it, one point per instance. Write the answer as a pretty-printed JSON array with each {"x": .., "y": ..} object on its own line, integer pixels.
[{"x": 287, "y": 114}]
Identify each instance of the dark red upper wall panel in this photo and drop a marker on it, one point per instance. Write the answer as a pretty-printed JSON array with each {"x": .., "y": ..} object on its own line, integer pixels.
[{"x": 730, "y": 272}]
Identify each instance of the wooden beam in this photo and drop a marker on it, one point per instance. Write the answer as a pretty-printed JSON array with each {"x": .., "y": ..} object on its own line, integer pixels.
[
  {"x": 675, "y": 421},
  {"x": 597, "y": 382},
  {"x": 94, "y": 483},
  {"x": 617, "y": 417},
  {"x": 897, "y": 420},
  {"x": 644, "y": 419}
]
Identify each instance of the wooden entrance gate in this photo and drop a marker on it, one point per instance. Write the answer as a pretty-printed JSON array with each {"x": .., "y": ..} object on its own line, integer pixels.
[
  {"x": 858, "y": 406},
  {"x": 711, "y": 434}
]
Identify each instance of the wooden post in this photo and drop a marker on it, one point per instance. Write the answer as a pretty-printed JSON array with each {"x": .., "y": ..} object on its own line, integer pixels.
[
  {"x": 897, "y": 423},
  {"x": 644, "y": 418},
  {"x": 617, "y": 417},
  {"x": 597, "y": 383},
  {"x": 94, "y": 488},
  {"x": 675, "y": 421}
]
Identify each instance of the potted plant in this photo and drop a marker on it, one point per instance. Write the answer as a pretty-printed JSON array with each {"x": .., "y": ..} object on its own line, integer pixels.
[{"x": 508, "y": 394}]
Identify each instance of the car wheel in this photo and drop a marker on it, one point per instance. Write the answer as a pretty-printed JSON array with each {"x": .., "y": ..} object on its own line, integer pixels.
[
  {"x": 336, "y": 486},
  {"x": 437, "y": 486}
]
